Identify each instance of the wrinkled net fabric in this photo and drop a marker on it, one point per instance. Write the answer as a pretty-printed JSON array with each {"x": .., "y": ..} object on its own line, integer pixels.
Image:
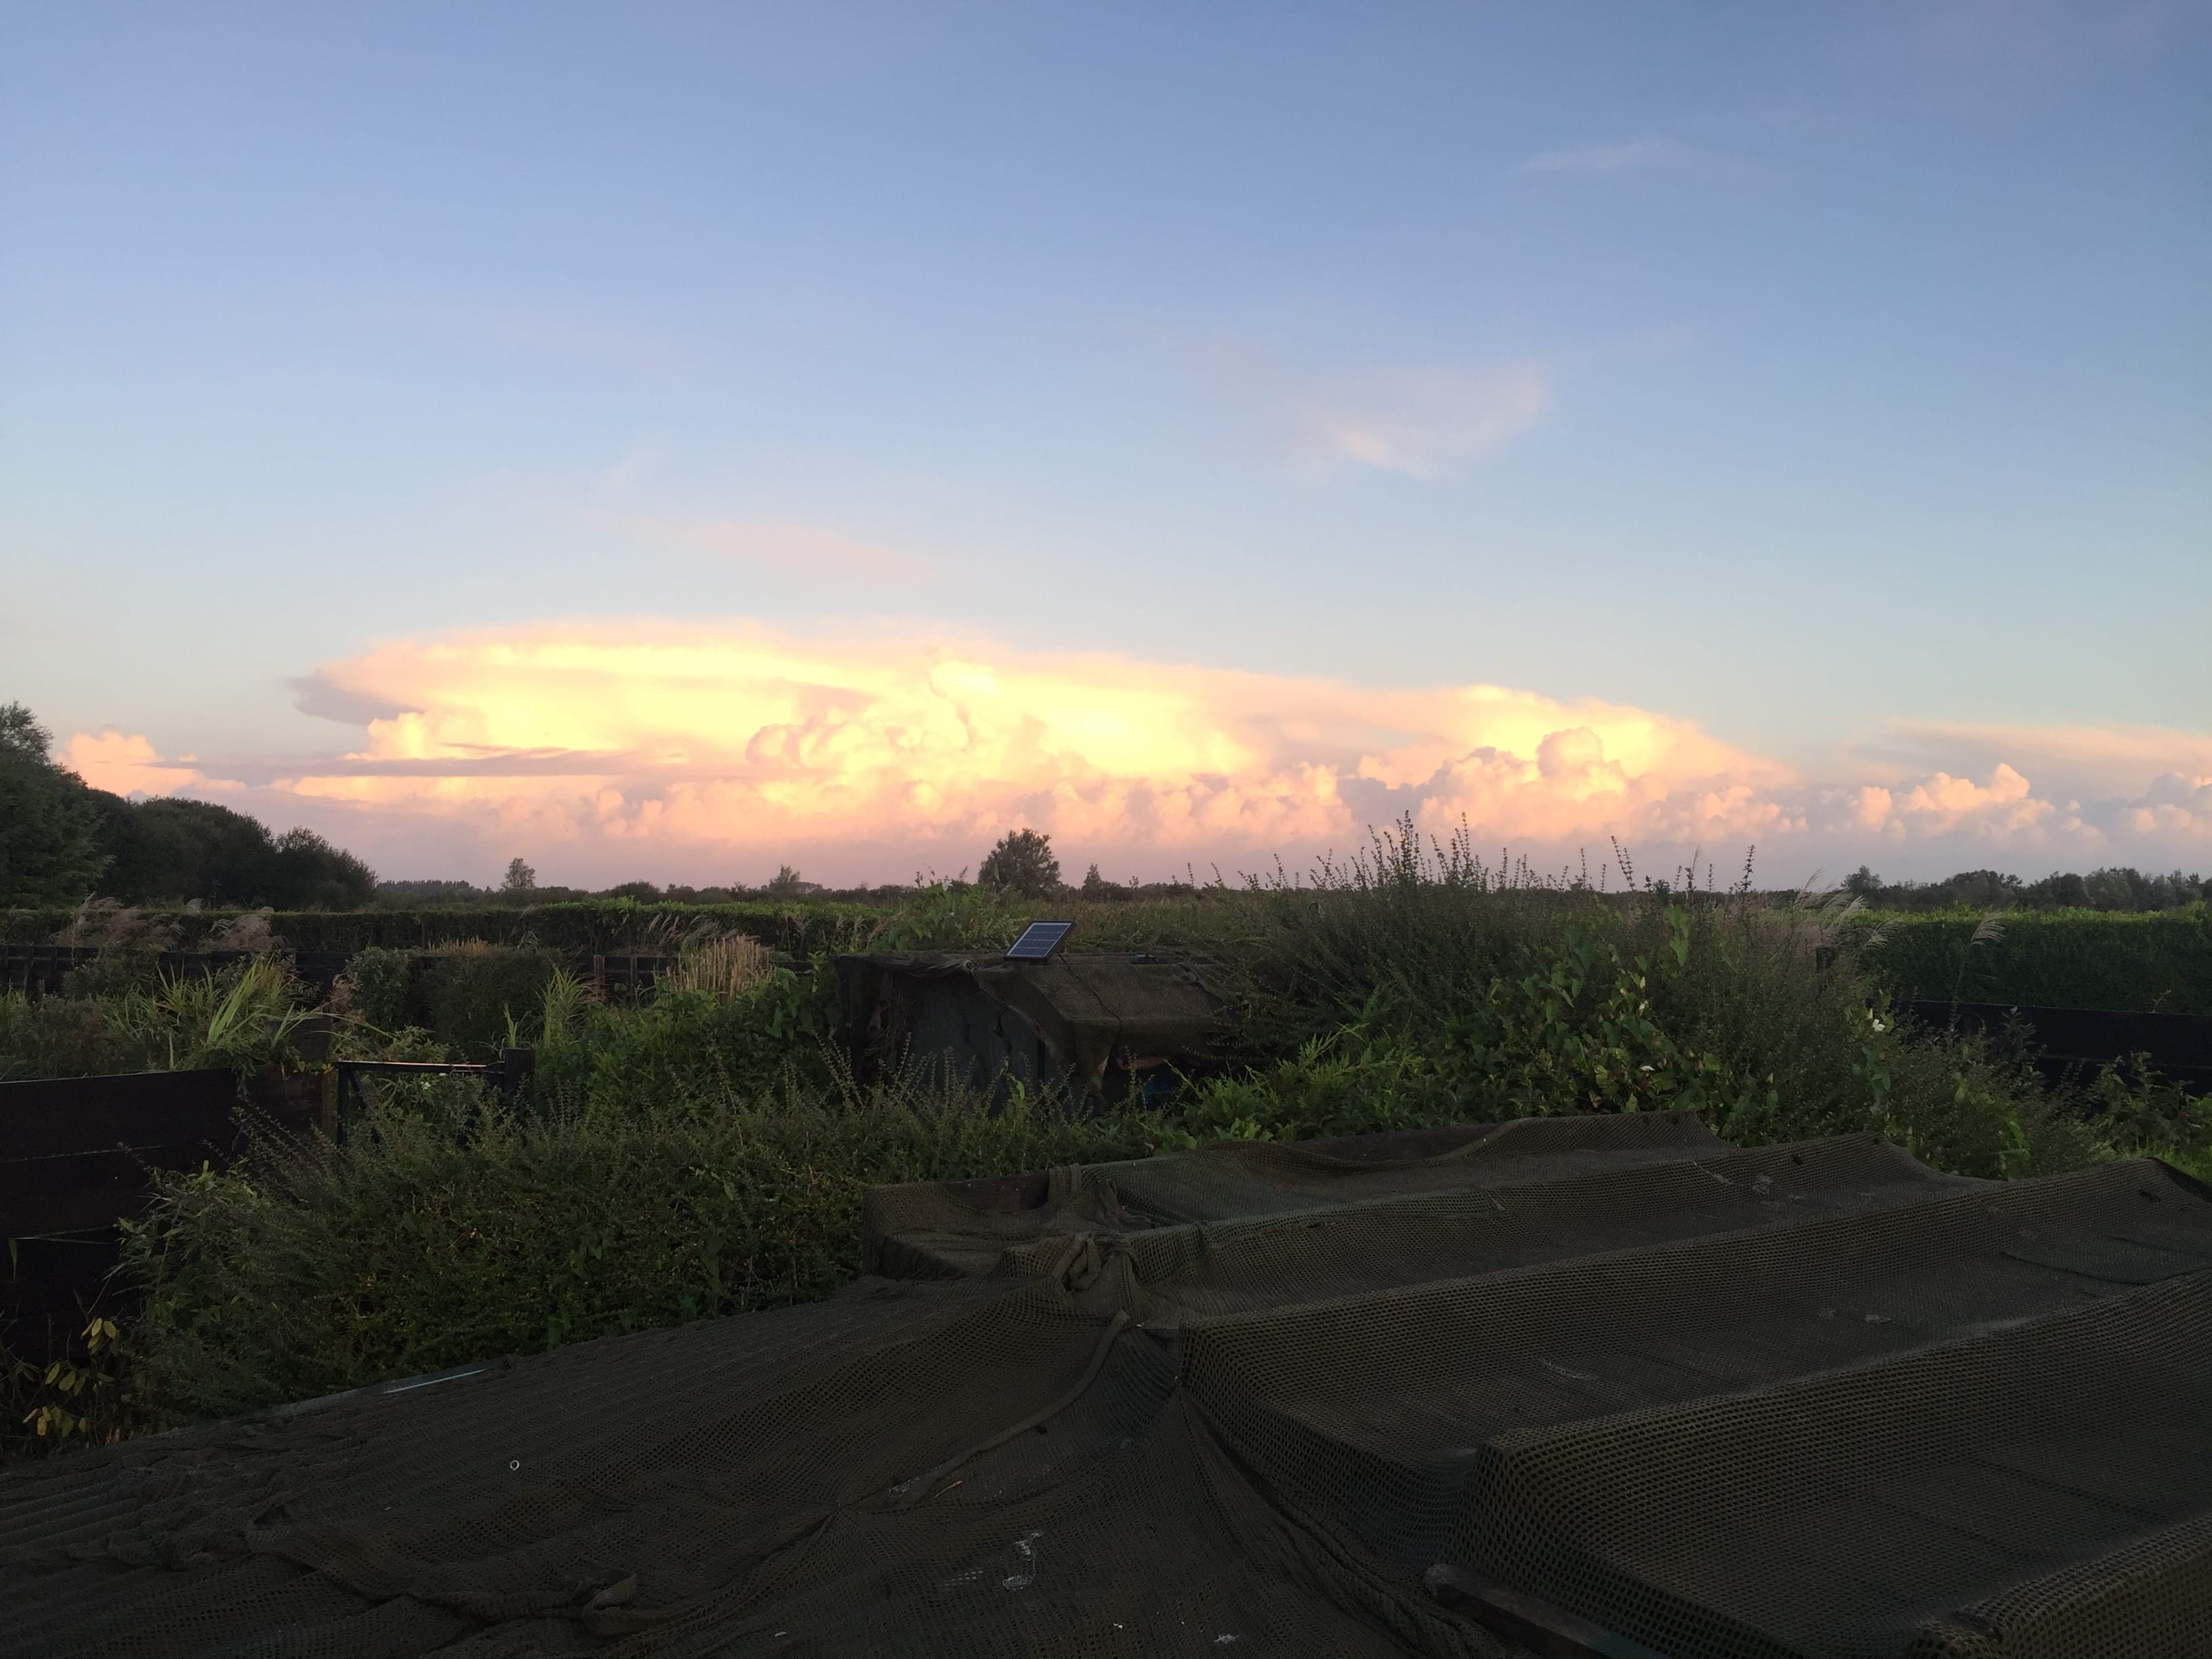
[
  {"x": 1087, "y": 1011},
  {"x": 1357, "y": 1397}
]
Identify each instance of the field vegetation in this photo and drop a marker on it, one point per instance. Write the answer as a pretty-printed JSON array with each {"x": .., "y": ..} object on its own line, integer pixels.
[{"x": 701, "y": 1149}]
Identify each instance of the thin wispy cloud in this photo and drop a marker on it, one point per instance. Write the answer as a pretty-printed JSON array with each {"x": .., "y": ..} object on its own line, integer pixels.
[
  {"x": 1424, "y": 424},
  {"x": 1419, "y": 421},
  {"x": 1641, "y": 155}
]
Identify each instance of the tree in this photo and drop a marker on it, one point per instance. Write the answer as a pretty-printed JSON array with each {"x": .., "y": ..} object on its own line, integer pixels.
[
  {"x": 50, "y": 846},
  {"x": 519, "y": 878},
  {"x": 306, "y": 872},
  {"x": 60, "y": 840},
  {"x": 1022, "y": 864},
  {"x": 167, "y": 848},
  {"x": 1984, "y": 890}
]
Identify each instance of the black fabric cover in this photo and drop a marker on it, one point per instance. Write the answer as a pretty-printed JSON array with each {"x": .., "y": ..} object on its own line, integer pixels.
[{"x": 1809, "y": 1399}]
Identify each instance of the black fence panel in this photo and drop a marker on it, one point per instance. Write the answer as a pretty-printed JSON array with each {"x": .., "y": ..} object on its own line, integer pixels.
[{"x": 2079, "y": 1040}]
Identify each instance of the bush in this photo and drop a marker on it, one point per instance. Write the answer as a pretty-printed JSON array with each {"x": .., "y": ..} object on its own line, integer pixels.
[
  {"x": 1417, "y": 987},
  {"x": 59, "y": 1037},
  {"x": 473, "y": 999},
  {"x": 480, "y": 998},
  {"x": 685, "y": 1044},
  {"x": 378, "y": 986}
]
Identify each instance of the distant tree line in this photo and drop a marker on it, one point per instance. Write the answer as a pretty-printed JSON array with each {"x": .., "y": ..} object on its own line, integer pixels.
[
  {"x": 2118, "y": 888},
  {"x": 61, "y": 840}
]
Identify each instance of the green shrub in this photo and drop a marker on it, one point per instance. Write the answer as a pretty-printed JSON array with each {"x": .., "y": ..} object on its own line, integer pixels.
[
  {"x": 480, "y": 998},
  {"x": 1572, "y": 1031},
  {"x": 1419, "y": 989},
  {"x": 683, "y": 1045},
  {"x": 379, "y": 982},
  {"x": 57, "y": 1037}
]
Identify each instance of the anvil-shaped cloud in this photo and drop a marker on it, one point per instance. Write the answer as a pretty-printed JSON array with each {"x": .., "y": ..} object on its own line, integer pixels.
[{"x": 704, "y": 752}]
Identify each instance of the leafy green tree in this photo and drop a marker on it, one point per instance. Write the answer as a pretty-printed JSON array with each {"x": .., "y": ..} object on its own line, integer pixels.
[
  {"x": 169, "y": 848},
  {"x": 60, "y": 842},
  {"x": 1022, "y": 864},
  {"x": 520, "y": 878},
  {"x": 306, "y": 872},
  {"x": 50, "y": 846}
]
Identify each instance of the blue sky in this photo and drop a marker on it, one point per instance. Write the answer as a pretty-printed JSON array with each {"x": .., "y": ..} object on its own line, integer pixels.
[{"x": 1832, "y": 379}]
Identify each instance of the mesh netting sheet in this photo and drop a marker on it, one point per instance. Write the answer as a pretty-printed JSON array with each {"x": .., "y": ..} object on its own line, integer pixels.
[{"x": 1806, "y": 1400}]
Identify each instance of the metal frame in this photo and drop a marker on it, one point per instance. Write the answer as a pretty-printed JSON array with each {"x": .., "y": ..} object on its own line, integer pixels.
[{"x": 504, "y": 1074}]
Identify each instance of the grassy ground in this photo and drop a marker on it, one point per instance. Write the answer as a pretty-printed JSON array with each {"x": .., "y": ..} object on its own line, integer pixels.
[{"x": 704, "y": 1152}]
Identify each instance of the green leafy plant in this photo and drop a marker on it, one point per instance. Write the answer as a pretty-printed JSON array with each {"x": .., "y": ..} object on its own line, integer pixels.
[
  {"x": 239, "y": 1018},
  {"x": 1022, "y": 865},
  {"x": 376, "y": 987},
  {"x": 947, "y": 915}
]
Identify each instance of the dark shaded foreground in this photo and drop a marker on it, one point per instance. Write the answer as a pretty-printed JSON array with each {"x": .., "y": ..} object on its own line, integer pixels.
[{"x": 1628, "y": 1387}]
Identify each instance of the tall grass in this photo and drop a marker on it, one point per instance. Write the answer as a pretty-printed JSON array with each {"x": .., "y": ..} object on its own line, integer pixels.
[
  {"x": 436, "y": 1238},
  {"x": 1414, "y": 985},
  {"x": 238, "y": 1018}
]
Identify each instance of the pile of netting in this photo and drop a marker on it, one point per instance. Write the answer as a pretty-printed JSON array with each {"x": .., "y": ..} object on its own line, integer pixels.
[{"x": 1598, "y": 1385}]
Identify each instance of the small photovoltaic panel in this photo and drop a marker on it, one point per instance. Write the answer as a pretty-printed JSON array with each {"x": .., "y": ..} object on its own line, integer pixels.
[{"x": 1039, "y": 940}]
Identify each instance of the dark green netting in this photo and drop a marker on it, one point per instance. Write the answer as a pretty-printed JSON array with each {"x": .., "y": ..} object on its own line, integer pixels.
[{"x": 1803, "y": 1400}]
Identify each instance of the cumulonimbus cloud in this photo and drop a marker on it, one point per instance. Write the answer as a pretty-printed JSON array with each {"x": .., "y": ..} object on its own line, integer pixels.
[{"x": 717, "y": 753}]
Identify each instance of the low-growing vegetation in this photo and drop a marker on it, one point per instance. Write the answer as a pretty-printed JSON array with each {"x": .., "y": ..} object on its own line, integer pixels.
[
  {"x": 110, "y": 1021},
  {"x": 702, "y": 1149}
]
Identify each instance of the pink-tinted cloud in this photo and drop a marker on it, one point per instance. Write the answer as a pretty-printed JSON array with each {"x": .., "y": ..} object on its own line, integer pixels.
[
  {"x": 1422, "y": 421},
  {"x": 127, "y": 764},
  {"x": 719, "y": 751}
]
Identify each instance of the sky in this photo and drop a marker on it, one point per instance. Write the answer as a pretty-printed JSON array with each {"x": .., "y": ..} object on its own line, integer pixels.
[{"x": 676, "y": 441}]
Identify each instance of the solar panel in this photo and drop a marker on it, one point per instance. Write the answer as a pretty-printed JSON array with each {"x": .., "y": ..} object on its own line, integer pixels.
[{"x": 1039, "y": 940}]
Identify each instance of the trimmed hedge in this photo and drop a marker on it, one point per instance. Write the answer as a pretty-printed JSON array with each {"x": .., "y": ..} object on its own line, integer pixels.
[
  {"x": 2159, "y": 962},
  {"x": 580, "y": 928},
  {"x": 930, "y": 919}
]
